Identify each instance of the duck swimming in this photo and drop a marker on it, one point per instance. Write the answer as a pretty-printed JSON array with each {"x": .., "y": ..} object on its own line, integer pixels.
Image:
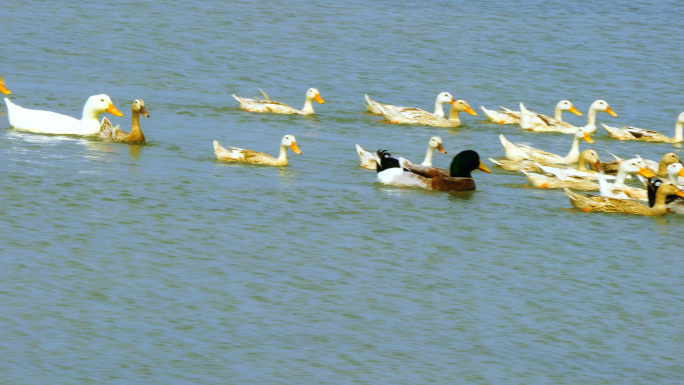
[
  {"x": 268, "y": 105},
  {"x": 48, "y": 122},
  {"x": 248, "y": 156},
  {"x": 399, "y": 172},
  {"x": 109, "y": 132}
]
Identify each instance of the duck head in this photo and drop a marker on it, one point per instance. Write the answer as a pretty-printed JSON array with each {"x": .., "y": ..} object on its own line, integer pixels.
[
  {"x": 291, "y": 142},
  {"x": 565, "y": 105},
  {"x": 461, "y": 105},
  {"x": 582, "y": 134},
  {"x": 436, "y": 143},
  {"x": 139, "y": 107},
  {"x": 464, "y": 163},
  {"x": 313, "y": 94},
  {"x": 445, "y": 97},
  {"x": 98, "y": 104},
  {"x": 602, "y": 105}
]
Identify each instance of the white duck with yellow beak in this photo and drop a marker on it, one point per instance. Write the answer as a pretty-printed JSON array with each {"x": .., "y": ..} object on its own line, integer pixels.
[{"x": 48, "y": 122}]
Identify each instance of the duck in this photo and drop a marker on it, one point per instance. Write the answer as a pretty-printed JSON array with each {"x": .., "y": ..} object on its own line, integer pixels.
[
  {"x": 418, "y": 116},
  {"x": 391, "y": 171},
  {"x": 367, "y": 158},
  {"x": 578, "y": 178},
  {"x": 442, "y": 97},
  {"x": 267, "y": 105},
  {"x": 508, "y": 116},
  {"x": 455, "y": 111},
  {"x": 595, "y": 108},
  {"x": 48, "y": 122},
  {"x": 535, "y": 122},
  {"x": 659, "y": 168},
  {"x": 109, "y": 132},
  {"x": 4, "y": 89},
  {"x": 674, "y": 203},
  {"x": 626, "y": 206},
  {"x": 675, "y": 173},
  {"x": 520, "y": 151},
  {"x": 253, "y": 157},
  {"x": 633, "y": 133},
  {"x": 515, "y": 165}
]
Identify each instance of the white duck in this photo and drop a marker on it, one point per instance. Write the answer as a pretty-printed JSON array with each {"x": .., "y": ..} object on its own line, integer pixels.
[
  {"x": 507, "y": 116},
  {"x": 367, "y": 159},
  {"x": 267, "y": 105},
  {"x": 633, "y": 133},
  {"x": 253, "y": 157},
  {"x": 48, "y": 122},
  {"x": 444, "y": 97},
  {"x": 599, "y": 105},
  {"x": 618, "y": 189},
  {"x": 520, "y": 151},
  {"x": 533, "y": 121}
]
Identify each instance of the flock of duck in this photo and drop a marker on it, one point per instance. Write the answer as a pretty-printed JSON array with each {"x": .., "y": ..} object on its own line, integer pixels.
[{"x": 577, "y": 170}]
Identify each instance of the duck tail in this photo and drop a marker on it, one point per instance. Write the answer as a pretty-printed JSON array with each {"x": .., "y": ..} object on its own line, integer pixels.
[{"x": 217, "y": 146}]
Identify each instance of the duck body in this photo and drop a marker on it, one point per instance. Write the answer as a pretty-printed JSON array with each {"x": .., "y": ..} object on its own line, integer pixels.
[
  {"x": 625, "y": 206},
  {"x": 48, "y": 122},
  {"x": 503, "y": 116},
  {"x": 519, "y": 151},
  {"x": 109, "y": 132},
  {"x": 375, "y": 107},
  {"x": 393, "y": 172},
  {"x": 535, "y": 122},
  {"x": 422, "y": 117},
  {"x": 633, "y": 133},
  {"x": 267, "y": 105},
  {"x": 367, "y": 158},
  {"x": 253, "y": 157}
]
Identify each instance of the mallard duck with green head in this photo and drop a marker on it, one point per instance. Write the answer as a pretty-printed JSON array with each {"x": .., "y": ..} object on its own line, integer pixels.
[{"x": 402, "y": 173}]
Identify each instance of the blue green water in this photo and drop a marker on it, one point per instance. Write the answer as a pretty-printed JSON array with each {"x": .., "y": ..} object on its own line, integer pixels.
[{"x": 158, "y": 264}]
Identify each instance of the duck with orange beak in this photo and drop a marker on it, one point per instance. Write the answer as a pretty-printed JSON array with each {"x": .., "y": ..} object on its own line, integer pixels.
[
  {"x": 268, "y": 105},
  {"x": 48, "y": 122},
  {"x": 253, "y": 157}
]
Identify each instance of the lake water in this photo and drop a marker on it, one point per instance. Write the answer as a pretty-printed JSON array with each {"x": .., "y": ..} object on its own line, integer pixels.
[{"x": 156, "y": 263}]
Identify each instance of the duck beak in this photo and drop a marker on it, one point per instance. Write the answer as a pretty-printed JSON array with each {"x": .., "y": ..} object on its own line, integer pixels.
[
  {"x": 470, "y": 111},
  {"x": 645, "y": 172},
  {"x": 680, "y": 193},
  {"x": 112, "y": 110},
  {"x": 4, "y": 89},
  {"x": 295, "y": 148},
  {"x": 610, "y": 111},
  {"x": 143, "y": 112},
  {"x": 681, "y": 172},
  {"x": 452, "y": 101},
  {"x": 588, "y": 138},
  {"x": 482, "y": 167},
  {"x": 598, "y": 166},
  {"x": 443, "y": 151},
  {"x": 574, "y": 111},
  {"x": 318, "y": 98}
]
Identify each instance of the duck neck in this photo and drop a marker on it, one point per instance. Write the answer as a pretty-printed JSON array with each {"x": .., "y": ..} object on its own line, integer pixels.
[
  {"x": 439, "y": 108},
  {"x": 136, "y": 132},
  {"x": 308, "y": 107},
  {"x": 573, "y": 155},
  {"x": 678, "y": 132},
  {"x": 282, "y": 157},
  {"x": 662, "y": 168},
  {"x": 591, "y": 121},
  {"x": 558, "y": 114},
  {"x": 659, "y": 207},
  {"x": 428, "y": 156},
  {"x": 620, "y": 177},
  {"x": 455, "y": 116},
  {"x": 582, "y": 164},
  {"x": 90, "y": 115}
]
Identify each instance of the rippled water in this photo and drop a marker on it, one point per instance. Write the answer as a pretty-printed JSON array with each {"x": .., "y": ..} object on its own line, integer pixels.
[{"x": 157, "y": 264}]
